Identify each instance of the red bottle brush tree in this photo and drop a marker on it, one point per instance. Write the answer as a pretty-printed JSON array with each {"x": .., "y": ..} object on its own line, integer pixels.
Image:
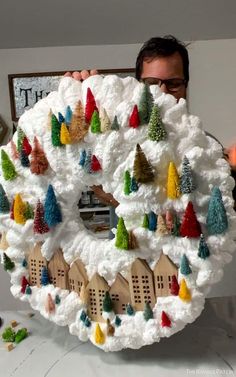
[
  {"x": 26, "y": 147},
  {"x": 134, "y": 120},
  {"x": 24, "y": 283},
  {"x": 190, "y": 226},
  {"x": 165, "y": 320},
  {"x": 174, "y": 289},
  {"x": 95, "y": 164},
  {"x": 40, "y": 226},
  {"x": 90, "y": 106}
]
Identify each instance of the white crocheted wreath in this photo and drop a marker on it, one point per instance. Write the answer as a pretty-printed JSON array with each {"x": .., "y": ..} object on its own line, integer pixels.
[{"x": 176, "y": 220}]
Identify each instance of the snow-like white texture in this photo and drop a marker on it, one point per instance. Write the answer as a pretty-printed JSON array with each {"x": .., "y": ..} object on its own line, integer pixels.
[{"x": 115, "y": 151}]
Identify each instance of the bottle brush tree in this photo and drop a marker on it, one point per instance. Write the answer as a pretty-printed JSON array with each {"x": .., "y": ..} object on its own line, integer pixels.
[
  {"x": 142, "y": 169},
  {"x": 4, "y": 202},
  {"x": 52, "y": 211},
  {"x": 190, "y": 226},
  {"x": 24, "y": 159},
  {"x": 115, "y": 124},
  {"x": 8, "y": 168},
  {"x": 156, "y": 129},
  {"x": 127, "y": 182},
  {"x": 107, "y": 303},
  {"x": 19, "y": 210},
  {"x": 122, "y": 235},
  {"x": 129, "y": 309},
  {"x": 88, "y": 162},
  {"x": 99, "y": 335},
  {"x": 78, "y": 127},
  {"x": 165, "y": 320},
  {"x": 95, "y": 123},
  {"x": 117, "y": 321},
  {"x": 216, "y": 221},
  {"x": 161, "y": 226},
  {"x": 55, "y": 131},
  {"x": 68, "y": 115},
  {"x": 133, "y": 185},
  {"x": 152, "y": 221},
  {"x": 26, "y": 147},
  {"x": 145, "y": 221},
  {"x": 145, "y": 105},
  {"x": 203, "y": 249},
  {"x": 148, "y": 313},
  {"x": 184, "y": 266},
  {"x": 173, "y": 188},
  {"x": 7, "y": 263},
  {"x": 174, "y": 290},
  {"x": 82, "y": 157},
  {"x": 134, "y": 120},
  {"x": 95, "y": 164},
  {"x": 40, "y": 226},
  {"x": 39, "y": 162},
  {"x": 65, "y": 135},
  {"x": 44, "y": 276},
  {"x": 90, "y": 106},
  {"x": 187, "y": 184},
  {"x": 105, "y": 121},
  {"x": 184, "y": 292}
]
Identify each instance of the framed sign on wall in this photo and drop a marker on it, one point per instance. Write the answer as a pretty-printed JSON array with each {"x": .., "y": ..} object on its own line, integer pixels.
[
  {"x": 28, "y": 88},
  {"x": 3, "y": 130}
]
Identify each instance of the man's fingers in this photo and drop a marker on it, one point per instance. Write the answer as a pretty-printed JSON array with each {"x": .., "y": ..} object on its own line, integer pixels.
[
  {"x": 77, "y": 75},
  {"x": 85, "y": 74}
]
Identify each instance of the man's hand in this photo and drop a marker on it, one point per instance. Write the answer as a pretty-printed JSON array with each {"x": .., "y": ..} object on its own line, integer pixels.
[
  {"x": 82, "y": 75},
  {"x": 104, "y": 197}
]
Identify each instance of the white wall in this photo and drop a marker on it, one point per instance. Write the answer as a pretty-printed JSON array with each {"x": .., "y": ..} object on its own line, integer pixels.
[{"x": 211, "y": 96}]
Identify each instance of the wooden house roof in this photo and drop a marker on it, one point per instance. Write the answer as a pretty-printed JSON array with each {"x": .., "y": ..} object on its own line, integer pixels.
[
  {"x": 78, "y": 269},
  {"x": 164, "y": 263}
]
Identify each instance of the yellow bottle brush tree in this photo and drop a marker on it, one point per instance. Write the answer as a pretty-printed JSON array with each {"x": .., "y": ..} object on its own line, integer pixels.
[
  {"x": 173, "y": 187},
  {"x": 19, "y": 210},
  {"x": 184, "y": 292}
]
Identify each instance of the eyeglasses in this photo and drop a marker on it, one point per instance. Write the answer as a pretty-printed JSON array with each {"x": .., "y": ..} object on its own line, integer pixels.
[{"x": 172, "y": 85}]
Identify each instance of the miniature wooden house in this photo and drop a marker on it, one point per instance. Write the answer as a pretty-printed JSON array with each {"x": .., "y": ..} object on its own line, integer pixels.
[
  {"x": 120, "y": 294},
  {"x": 96, "y": 289},
  {"x": 36, "y": 262},
  {"x": 77, "y": 276},
  {"x": 141, "y": 284},
  {"x": 163, "y": 272},
  {"x": 58, "y": 270}
]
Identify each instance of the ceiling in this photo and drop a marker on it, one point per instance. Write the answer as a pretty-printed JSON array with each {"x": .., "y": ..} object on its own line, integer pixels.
[{"x": 42, "y": 23}]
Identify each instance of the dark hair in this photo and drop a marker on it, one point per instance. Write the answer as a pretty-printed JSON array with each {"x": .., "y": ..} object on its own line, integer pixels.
[{"x": 165, "y": 46}]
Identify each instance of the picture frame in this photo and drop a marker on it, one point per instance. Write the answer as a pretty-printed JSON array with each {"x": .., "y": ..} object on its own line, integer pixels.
[
  {"x": 25, "y": 89},
  {"x": 3, "y": 130}
]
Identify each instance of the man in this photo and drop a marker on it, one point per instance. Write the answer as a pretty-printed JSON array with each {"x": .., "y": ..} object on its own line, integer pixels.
[
  {"x": 161, "y": 61},
  {"x": 164, "y": 62}
]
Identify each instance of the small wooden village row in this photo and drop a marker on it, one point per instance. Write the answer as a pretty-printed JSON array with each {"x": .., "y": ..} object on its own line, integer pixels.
[{"x": 143, "y": 284}]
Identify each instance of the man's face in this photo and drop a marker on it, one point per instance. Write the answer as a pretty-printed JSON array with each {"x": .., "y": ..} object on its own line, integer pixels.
[{"x": 164, "y": 68}]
